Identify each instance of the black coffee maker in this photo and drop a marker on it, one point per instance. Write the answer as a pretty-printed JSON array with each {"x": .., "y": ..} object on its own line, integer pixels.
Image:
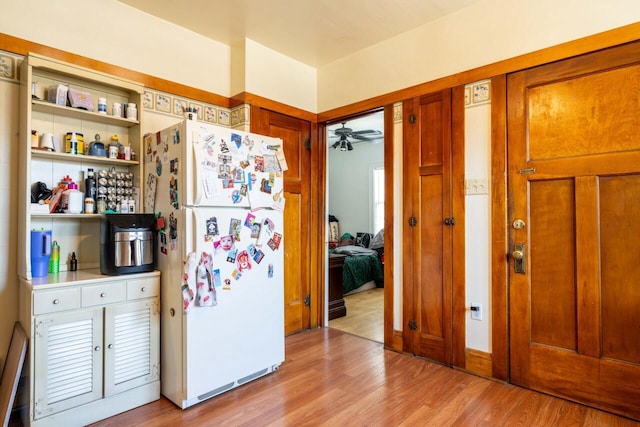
[{"x": 127, "y": 243}]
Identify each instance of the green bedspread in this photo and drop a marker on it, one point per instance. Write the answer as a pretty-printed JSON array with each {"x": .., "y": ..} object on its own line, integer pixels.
[{"x": 359, "y": 270}]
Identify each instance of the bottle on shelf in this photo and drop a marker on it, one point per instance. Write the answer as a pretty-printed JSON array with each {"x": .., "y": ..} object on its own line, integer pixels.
[
  {"x": 72, "y": 198},
  {"x": 89, "y": 205},
  {"x": 54, "y": 260},
  {"x": 132, "y": 111},
  {"x": 114, "y": 147},
  {"x": 90, "y": 189},
  {"x": 73, "y": 262}
]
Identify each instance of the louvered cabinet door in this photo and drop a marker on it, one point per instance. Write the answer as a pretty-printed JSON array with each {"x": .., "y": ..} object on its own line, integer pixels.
[
  {"x": 131, "y": 354},
  {"x": 68, "y": 360}
]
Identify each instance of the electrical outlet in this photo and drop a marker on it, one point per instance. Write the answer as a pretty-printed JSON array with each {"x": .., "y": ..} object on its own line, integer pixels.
[
  {"x": 476, "y": 186},
  {"x": 476, "y": 311}
]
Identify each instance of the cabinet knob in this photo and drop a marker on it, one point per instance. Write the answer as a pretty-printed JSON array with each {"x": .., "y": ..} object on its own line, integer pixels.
[
  {"x": 102, "y": 295},
  {"x": 97, "y": 348},
  {"x": 143, "y": 289},
  {"x": 56, "y": 301},
  {"x": 110, "y": 346}
]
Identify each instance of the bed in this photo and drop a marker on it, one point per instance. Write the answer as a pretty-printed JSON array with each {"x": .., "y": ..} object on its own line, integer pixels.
[
  {"x": 361, "y": 269},
  {"x": 352, "y": 269}
]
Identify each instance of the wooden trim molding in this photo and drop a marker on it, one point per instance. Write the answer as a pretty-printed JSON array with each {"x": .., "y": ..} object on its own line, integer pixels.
[
  {"x": 389, "y": 256},
  {"x": 318, "y": 250},
  {"x": 396, "y": 342},
  {"x": 268, "y": 104},
  {"x": 478, "y": 362},
  {"x": 458, "y": 262},
  {"x": 499, "y": 230}
]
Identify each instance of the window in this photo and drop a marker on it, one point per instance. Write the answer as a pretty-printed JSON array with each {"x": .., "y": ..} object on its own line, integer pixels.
[{"x": 378, "y": 199}]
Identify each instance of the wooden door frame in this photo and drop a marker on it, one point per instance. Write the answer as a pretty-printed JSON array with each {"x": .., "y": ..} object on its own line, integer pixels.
[{"x": 391, "y": 339}]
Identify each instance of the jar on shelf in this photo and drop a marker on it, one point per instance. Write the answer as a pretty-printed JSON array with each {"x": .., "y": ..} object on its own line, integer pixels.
[
  {"x": 102, "y": 105},
  {"x": 132, "y": 112}
]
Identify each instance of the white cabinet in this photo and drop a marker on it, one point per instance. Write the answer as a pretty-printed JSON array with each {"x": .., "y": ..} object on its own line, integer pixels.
[
  {"x": 94, "y": 344},
  {"x": 77, "y": 233}
]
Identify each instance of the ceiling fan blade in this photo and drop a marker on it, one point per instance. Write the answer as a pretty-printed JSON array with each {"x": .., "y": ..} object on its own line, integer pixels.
[
  {"x": 367, "y": 137},
  {"x": 367, "y": 132}
]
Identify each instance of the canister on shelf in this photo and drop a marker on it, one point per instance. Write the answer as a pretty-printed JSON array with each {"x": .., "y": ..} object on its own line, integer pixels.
[{"x": 74, "y": 143}]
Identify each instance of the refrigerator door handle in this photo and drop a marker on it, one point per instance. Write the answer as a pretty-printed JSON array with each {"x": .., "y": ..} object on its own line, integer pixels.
[
  {"x": 197, "y": 176},
  {"x": 192, "y": 221}
]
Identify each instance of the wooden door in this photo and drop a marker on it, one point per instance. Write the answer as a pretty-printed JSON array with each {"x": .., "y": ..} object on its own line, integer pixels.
[
  {"x": 297, "y": 184},
  {"x": 574, "y": 180},
  {"x": 427, "y": 235}
]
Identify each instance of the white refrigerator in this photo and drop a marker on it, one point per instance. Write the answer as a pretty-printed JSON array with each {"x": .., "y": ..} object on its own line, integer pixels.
[{"x": 218, "y": 197}]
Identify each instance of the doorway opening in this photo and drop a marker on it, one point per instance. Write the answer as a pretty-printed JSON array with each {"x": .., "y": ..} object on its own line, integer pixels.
[{"x": 355, "y": 206}]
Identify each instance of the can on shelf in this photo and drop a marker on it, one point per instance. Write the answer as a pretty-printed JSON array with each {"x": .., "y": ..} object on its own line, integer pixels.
[{"x": 71, "y": 146}]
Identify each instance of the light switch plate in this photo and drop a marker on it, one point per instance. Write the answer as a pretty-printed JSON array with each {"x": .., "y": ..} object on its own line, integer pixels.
[{"x": 476, "y": 186}]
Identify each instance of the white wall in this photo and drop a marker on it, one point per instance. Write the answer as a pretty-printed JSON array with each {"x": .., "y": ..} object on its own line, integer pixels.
[
  {"x": 349, "y": 192},
  {"x": 478, "y": 223},
  {"x": 481, "y": 34},
  {"x": 277, "y": 77},
  {"x": 113, "y": 32}
]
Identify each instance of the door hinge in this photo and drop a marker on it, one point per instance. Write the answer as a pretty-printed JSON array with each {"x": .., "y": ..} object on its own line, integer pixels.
[
  {"x": 307, "y": 144},
  {"x": 412, "y": 118},
  {"x": 413, "y": 221},
  {"x": 413, "y": 325},
  {"x": 450, "y": 221},
  {"x": 307, "y": 300}
]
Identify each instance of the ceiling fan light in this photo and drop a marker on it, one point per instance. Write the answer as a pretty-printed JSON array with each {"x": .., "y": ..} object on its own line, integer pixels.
[
  {"x": 349, "y": 146},
  {"x": 336, "y": 145},
  {"x": 343, "y": 146}
]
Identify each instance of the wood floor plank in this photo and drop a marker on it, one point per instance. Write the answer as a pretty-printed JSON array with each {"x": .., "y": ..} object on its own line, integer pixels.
[
  {"x": 365, "y": 315},
  {"x": 331, "y": 378}
]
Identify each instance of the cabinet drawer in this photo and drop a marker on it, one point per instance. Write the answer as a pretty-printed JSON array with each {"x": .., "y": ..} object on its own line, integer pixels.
[
  {"x": 54, "y": 301},
  {"x": 143, "y": 288},
  {"x": 102, "y": 294}
]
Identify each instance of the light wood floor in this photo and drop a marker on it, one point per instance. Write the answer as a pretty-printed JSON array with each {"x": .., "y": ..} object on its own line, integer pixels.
[
  {"x": 365, "y": 315},
  {"x": 332, "y": 378}
]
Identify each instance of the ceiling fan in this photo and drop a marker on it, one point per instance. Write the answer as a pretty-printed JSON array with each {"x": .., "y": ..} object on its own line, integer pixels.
[{"x": 343, "y": 133}]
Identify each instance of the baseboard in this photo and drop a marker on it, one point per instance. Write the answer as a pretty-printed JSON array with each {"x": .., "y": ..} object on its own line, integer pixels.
[{"x": 478, "y": 362}]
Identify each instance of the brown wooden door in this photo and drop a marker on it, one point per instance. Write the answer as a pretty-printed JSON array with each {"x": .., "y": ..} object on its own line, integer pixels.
[
  {"x": 295, "y": 133},
  {"x": 574, "y": 179},
  {"x": 427, "y": 290}
]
